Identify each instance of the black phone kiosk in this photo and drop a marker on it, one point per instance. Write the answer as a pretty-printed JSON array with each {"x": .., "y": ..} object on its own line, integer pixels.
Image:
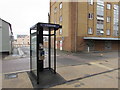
[{"x": 37, "y": 53}]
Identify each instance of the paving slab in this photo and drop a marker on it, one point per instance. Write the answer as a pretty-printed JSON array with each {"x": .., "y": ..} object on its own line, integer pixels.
[
  {"x": 101, "y": 81},
  {"x": 21, "y": 81},
  {"x": 79, "y": 71},
  {"x": 112, "y": 63},
  {"x": 98, "y": 74},
  {"x": 98, "y": 81}
]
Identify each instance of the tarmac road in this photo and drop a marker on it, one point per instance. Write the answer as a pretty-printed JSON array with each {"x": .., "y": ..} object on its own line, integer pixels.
[{"x": 63, "y": 60}]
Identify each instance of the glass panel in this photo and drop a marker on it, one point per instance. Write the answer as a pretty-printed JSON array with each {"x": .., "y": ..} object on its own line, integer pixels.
[
  {"x": 100, "y": 10},
  {"x": 45, "y": 44},
  {"x": 34, "y": 52}
]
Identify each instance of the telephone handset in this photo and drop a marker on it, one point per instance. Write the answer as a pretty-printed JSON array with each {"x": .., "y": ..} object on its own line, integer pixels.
[{"x": 41, "y": 52}]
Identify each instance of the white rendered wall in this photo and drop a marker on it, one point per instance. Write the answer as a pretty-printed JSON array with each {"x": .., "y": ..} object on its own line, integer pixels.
[
  {"x": 5, "y": 37},
  {"x": 0, "y": 35}
]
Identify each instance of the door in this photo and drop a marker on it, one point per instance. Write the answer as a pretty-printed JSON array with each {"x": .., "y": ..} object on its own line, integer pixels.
[
  {"x": 107, "y": 45},
  {"x": 61, "y": 45},
  {"x": 33, "y": 49}
]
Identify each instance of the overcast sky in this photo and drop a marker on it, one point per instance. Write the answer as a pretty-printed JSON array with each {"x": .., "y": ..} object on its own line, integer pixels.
[{"x": 22, "y": 14}]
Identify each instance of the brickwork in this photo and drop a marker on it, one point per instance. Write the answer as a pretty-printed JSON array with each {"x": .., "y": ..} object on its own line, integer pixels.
[{"x": 75, "y": 24}]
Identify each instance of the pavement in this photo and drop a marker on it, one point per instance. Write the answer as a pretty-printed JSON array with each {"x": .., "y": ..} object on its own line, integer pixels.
[
  {"x": 19, "y": 81},
  {"x": 99, "y": 74},
  {"x": 93, "y": 75},
  {"x": 75, "y": 70}
]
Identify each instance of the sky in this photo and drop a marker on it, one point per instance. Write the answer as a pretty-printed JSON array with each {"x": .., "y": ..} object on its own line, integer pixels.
[{"x": 23, "y": 14}]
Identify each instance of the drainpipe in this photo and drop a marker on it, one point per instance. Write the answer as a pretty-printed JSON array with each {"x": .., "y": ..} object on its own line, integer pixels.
[
  {"x": 76, "y": 26},
  {"x": 119, "y": 19},
  {"x": 48, "y": 18}
]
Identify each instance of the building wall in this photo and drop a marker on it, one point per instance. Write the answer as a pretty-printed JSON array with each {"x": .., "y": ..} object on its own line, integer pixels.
[
  {"x": 65, "y": 25},
  {"x": 25, "y": 40},
  {"x": 0, "y": 35},
  {"x": 6, "y": 46},
  {"x": 75, "y": 24}
]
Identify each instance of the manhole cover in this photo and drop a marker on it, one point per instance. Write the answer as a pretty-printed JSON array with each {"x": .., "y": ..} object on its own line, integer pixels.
[
  {"x": 10, "y": 76},
  {"x": 79, "y": 85}
]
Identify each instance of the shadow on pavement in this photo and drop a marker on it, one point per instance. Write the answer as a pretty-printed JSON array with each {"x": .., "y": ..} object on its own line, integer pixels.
[{"x": 47, "y": 79}]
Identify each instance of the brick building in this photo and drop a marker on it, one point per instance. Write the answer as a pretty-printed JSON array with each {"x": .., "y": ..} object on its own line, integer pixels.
[
  {"x": 86, "y": 24},
  {"x": 22, "y": 40}
]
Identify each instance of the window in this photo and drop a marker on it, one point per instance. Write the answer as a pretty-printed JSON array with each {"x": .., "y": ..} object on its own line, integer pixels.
[
  {"x": 116, "y": 7},
  {"x": 116, "y": 20},
  {"x": 108, "y": 19},
  {"x": 108, "y": 6},
  {"x": 100, "y": 27},
  {"x": 90, "y": 2},
  {"x": 99, "y": 21},
  {"x": 60, "y": 5},
  {"x": 90, "y": 31},
  {"x": 100, "y": 17},
  {"x": 55, "y": 9},
  {"x": 115, "y": 33},
  {"x": 100, "y": 2},
  {"x": 90, "y": 16},
  {"x": 55, "y": 22},
  {"x": 100, "y": 11},
  {"x": 60, "y": 18},
  {"x": 60, "y": 31},
  {"x": 108, "y": 45},
  {"x": 108, "y": 32}
]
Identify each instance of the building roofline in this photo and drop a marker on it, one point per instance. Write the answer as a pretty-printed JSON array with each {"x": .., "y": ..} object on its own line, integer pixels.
[{"x": 8, "y": 23}]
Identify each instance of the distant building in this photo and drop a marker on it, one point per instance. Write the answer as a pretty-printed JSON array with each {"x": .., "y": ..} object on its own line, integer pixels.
[
  {"x": 92, "y": 25},
  {"x": 6, "y": 37},
  {"x": 22, "y": 40},
  {"x": 21, "y": 36}
]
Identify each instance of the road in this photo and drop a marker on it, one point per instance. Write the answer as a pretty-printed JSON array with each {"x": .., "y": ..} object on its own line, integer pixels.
[{"x": 63, "y": 60}]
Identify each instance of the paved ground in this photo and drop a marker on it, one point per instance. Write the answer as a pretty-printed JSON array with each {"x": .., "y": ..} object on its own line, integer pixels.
[
  {"x": 79, "y": 70},
  {"x": 16, "y": 63},
  {"x": 21, "y": 81},
  {"x": 100, "y": 74}
]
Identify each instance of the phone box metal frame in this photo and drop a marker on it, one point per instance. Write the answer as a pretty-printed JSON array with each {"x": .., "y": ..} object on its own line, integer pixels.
[{"x": 38, "y": 33}]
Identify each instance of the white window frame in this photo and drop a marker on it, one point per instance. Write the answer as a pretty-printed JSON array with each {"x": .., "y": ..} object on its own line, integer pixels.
[
  {"x": 108, "y": 6},
  {"x": 116, "y": 7},
  {"x": 108, "y": 32},
  {"x": 100, "y": 2},
  {"x": 60, "y": 31},
  {"x": 61, "y": 5},
  {"x": 90, "y": 31},
  {"x": 60, "y": 19},
  {"x": 108, "y": 19},
  {"x": 90, "y": 2}
]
